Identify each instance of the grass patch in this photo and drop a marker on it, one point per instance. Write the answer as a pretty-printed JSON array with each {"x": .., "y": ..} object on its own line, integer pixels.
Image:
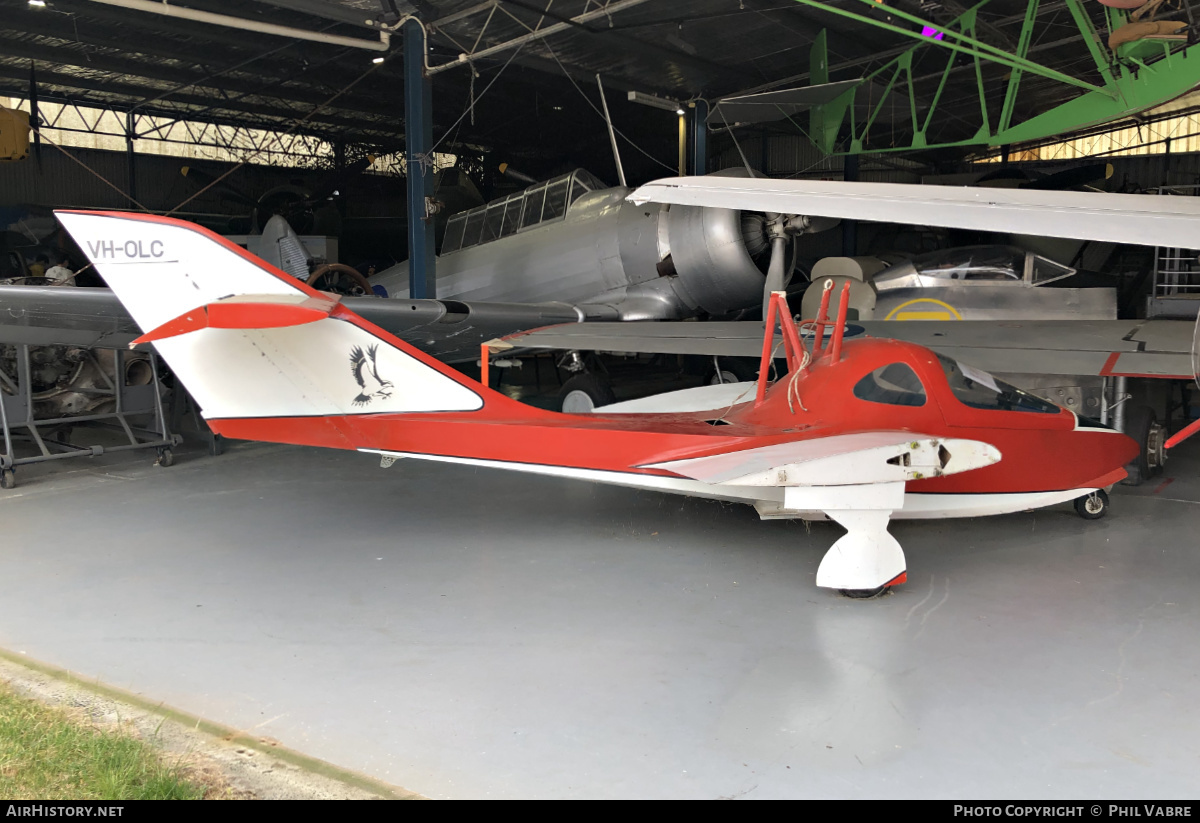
[{"x": 54, "y": 754}]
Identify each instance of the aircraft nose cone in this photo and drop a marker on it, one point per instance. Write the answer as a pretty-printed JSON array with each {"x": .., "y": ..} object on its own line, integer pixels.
[{"x": 1099, "y": 453}]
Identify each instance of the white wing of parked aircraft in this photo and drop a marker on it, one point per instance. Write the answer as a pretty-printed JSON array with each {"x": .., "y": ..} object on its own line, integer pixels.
[{"x": 1117, "y": 218}]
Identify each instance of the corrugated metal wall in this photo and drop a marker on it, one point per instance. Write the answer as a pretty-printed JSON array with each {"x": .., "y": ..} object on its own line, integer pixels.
[
  {"x": 59, "y": 182},
  {"x": 794, "y": 156}
]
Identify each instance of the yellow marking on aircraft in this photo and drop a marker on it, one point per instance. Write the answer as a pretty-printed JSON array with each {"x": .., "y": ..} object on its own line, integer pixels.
[
  {"x": 898, "y": 313},
  {"x": 924, "y": 315}
]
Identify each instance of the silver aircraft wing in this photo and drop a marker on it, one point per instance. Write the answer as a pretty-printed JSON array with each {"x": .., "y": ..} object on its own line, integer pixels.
[
  {"x": 449, "y": 330},
  {"x": 1139, "y": 219},
  {"x": 1130, "y": 348}
]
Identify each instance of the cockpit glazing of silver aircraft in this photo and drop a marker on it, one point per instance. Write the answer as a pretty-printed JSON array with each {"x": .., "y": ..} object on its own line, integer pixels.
[{"x": 573, "y": 240}]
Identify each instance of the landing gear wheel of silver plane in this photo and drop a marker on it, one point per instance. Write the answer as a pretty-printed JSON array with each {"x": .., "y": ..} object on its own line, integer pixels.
[
  {"x": 8, "y": 479},
  {"x": 1092, "y": 506},
  {"x": 1142, "y": 425},
  {"x": 166, "y": 458},
  {"x": 733, "y": 370},
  {"x": 865, "y": 594},
  {"x": 584, "y": 392}
]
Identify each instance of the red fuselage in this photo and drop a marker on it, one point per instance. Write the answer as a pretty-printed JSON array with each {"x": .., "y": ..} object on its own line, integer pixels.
[{"x": 1044, "y": 450}]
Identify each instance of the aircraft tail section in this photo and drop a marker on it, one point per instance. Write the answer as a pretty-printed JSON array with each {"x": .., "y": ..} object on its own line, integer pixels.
[{"x": 253, "y": 343}]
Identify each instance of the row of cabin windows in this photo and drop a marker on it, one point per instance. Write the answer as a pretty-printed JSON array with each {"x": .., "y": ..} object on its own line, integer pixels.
[{"x": 500, "y": 218}]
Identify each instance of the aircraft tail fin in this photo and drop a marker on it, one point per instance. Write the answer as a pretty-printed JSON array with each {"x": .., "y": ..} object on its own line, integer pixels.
[{"x": 253, "y": 343}]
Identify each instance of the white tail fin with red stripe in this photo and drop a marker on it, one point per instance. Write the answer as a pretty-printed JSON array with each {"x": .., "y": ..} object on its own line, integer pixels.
[{"x": 244, "y": 337}]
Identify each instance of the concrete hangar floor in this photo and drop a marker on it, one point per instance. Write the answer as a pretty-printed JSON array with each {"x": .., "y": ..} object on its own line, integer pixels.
[{"x": 470, "y": 633}]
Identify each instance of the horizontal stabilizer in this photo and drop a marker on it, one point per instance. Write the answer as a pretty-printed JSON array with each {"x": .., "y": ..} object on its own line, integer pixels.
[
  {"x": 768, "y": 106},
  {"x": 246, "y": 311}
]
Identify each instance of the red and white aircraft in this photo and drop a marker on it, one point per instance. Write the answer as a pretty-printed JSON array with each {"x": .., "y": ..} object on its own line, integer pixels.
[{"x": 859, "y": 430}]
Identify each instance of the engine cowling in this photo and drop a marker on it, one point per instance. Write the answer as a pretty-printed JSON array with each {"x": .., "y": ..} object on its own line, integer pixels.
[{"x": 719, "y": 257}]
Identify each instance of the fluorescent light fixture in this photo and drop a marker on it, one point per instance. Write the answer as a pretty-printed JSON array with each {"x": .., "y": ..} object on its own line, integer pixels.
[
  {"x": 37, "y": 3},
  {"x": 656, "y": 102},
  {"x": 377, "y": 60}
]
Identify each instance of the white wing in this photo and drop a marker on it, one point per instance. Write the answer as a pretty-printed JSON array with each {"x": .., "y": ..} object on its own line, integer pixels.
[{"x": 1148, "y": 220}]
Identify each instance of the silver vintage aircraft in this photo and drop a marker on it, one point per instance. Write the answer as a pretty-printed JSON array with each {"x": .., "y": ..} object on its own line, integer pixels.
[{"x": 574, "y": 240}]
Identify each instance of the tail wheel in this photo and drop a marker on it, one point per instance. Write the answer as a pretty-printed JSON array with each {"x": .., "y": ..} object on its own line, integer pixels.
[
  {"x": 8, "y": 479},
  {"x": 1092, "y": 506},
  {"x": 584, "y": 392},
  {"x": 166, "y": 458}
]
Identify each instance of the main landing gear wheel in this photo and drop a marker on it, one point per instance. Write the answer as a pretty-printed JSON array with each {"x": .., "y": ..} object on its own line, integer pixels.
[
  {"x": 8, "y": 479},
  {"x": 584, "y": 392},
  {"x": 1142, "y": 425},
  {"x": 1092, "y": 506},
  {"x": 733, "y": 370},
  {"x": 166, "y": 458}
]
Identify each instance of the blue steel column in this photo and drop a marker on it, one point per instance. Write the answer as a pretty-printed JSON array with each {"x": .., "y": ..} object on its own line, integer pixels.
[
  {"x": 418, "y": 136},
  {"x": 699, "y": 138}
]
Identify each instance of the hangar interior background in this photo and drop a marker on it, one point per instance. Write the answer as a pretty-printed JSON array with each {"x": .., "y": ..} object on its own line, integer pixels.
[{"x": 476, "y": 635}]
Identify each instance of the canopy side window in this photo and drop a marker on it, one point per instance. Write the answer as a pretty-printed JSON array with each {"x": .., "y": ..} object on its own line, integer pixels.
[
  {"x": 493, "y": 222},
  {"x": 993, "y": 275},
  {"x": 533, "y": 207},
  {"x": 454, "y": 233},
  {"x": 556, "y": 199},
  {"x": 512, "y": 215},
  {"x": 895, "y": 384},
  {"x": 474, "y": 228},
  {"x": 1045, "y": 270},
  {"x": 980, "y": 390},
  {"x": 582, "y": 182}
]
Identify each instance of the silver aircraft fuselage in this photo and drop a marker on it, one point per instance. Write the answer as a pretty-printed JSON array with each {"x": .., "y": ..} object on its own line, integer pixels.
[{"x": 570, "y": 241}]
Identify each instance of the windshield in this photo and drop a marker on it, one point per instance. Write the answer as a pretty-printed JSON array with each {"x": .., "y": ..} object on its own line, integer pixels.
[{"x": 979, "y": 390}]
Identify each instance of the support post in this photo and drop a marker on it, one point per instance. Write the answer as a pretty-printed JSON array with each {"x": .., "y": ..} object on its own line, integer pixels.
[
  {"x": 418, "y": 140},
  {"x": 850, "y": 227},
  {"x": 682, "y": 145},
  {"x": 131, "y": 178},
  {"x": 35, "y": 119},
  {"x": 699, "y": 137}
]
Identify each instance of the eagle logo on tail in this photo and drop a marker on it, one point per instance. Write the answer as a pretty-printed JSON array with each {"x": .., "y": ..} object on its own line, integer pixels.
[{"x": 362, "y": 365}]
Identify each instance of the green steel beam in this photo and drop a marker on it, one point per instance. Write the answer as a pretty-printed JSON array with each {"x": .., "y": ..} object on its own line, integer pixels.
[
  {"x": 1131, "y": 85},
  {"x": 1014, "y": 80},
  {"x": 1151, "y": 85},
  {"x": 1099, "y": 53},
  {"x": 970, "y": 40},
  {"x": 994, "y": 57}
]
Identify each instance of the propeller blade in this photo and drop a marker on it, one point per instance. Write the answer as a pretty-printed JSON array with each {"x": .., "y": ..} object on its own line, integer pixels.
[
  {"x": 1193, "y": 427},
  {"x": 776, "y": 270}
]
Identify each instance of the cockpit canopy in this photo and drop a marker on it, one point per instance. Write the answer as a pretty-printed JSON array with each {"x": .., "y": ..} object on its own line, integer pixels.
[
  {"x": 540, "y": 203},
  {"x": 978, "y": 264},
  {"x": 897, "y": 384}
]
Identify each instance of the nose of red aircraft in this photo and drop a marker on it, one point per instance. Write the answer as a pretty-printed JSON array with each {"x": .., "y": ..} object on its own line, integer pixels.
[{"x": 1095, "y": 455}]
